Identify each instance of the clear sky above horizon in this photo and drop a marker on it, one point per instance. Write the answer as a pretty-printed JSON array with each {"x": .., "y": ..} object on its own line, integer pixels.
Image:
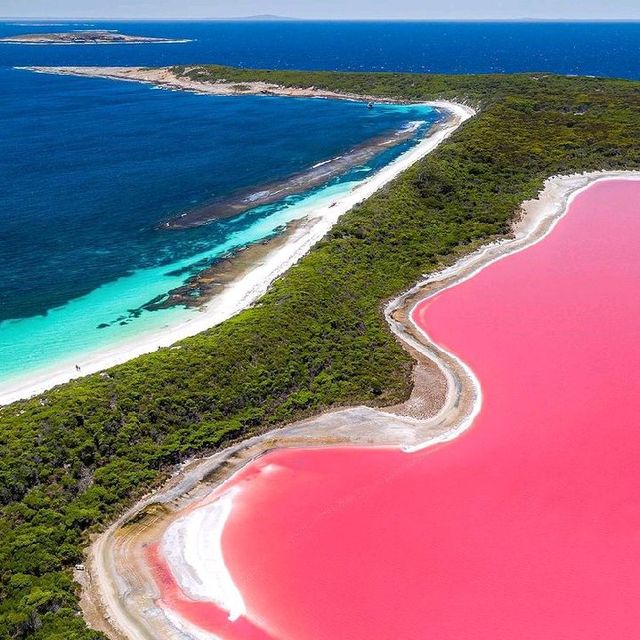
[{"x": 331, "y": 9}]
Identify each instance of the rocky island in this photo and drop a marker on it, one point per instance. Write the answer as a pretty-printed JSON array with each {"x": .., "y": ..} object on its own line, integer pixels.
[{"x": 98, "y": 36}]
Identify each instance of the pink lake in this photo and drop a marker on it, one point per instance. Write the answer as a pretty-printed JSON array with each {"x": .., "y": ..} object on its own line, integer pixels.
[{"x": 528, "y": 525}]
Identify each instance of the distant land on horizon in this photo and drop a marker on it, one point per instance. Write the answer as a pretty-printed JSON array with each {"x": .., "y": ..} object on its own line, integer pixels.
[{"x": 263, "y": 17}]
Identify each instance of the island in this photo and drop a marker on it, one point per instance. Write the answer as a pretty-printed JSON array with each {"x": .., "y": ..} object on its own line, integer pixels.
[{"x": 97, "y": 36}]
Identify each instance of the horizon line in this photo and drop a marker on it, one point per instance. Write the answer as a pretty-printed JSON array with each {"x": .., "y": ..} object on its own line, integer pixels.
[{"x": 290, "y": 19}]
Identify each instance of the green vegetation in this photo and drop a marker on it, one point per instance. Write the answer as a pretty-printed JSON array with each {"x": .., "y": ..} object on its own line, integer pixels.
[{"x": 72, "y": 458}]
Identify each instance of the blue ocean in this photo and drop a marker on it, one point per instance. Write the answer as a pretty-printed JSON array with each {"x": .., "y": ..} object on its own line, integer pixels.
[{"x": 89, "y": 167}]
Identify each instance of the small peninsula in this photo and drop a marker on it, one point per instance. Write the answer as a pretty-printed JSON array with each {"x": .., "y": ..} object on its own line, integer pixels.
[{"x": 98, "y": 36}]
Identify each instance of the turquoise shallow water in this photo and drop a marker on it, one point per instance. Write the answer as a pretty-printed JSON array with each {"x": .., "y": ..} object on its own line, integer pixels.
[
  {"x": 70, "y": 333},
  {"x": 89, "y": 169}
]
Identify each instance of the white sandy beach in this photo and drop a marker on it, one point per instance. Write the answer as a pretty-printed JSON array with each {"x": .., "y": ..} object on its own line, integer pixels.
[{"x": 252, "y": 285}]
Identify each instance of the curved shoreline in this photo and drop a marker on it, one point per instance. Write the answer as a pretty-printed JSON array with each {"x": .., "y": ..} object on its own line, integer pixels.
[
  {"x": 252, "y": 283},
  {"x": 167, "y": 78},
  {"x": 316, "y": 177},
  {"x": 110, "y": 609}
]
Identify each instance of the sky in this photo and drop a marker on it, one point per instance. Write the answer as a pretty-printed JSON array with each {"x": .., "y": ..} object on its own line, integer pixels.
[{"x": 326, "y": 9}]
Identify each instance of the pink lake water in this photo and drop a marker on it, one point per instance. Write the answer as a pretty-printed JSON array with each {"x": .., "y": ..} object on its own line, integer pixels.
[{"x": 528, "y": 525}]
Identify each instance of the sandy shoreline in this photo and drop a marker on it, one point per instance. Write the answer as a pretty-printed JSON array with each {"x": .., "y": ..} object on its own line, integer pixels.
[
  {"x": 251, "y": 285},
  {"x": 166, "y": 78},
  {"x": 112, "y": 557}
]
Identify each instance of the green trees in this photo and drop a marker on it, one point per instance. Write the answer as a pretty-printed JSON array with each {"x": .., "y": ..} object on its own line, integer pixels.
[{"x": 70, "y": 459}]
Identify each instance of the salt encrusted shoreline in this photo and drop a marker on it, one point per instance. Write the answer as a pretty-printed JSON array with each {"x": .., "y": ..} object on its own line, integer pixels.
[
  {"x": 252, "y": 284},
  {"x": 200, "y": 481}
]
